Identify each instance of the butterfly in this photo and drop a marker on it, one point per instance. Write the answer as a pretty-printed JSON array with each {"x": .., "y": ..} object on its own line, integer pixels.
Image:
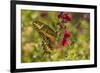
[{"x": 49, "y": 36}]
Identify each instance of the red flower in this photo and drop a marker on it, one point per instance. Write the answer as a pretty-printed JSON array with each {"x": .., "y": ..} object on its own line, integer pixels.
[
  {"x": 65, "y": 42},
  {"x": 65, "y": 17},
  {"x": 65, "y": 38},
  {"x": 67, "y": 35}
]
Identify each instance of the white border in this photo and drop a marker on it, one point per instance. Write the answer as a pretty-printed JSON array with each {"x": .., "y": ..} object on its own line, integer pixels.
[{"x": 20, "y": 65}]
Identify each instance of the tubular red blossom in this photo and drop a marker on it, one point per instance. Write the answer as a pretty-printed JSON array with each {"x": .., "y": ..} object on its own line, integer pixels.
[
  {"x": 65, "y": 38},
  {"x": 65, "y": 42},
  {"x": 65, "y": 17},
  {"x": 67, "y": 35}
]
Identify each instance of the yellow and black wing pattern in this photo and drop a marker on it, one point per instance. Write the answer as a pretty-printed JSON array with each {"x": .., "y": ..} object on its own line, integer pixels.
[{"x": 47, "y": 35}]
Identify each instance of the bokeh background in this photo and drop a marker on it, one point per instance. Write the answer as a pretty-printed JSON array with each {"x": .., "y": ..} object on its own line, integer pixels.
[{"x": 79, "y": 43}]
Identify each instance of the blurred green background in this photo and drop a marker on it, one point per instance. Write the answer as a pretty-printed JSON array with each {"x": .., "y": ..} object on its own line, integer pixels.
[{"x": 32, "y": 49}]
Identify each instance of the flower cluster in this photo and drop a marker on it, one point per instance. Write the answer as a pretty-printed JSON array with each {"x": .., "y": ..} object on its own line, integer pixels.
[{"x": 65, "y": 18}]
